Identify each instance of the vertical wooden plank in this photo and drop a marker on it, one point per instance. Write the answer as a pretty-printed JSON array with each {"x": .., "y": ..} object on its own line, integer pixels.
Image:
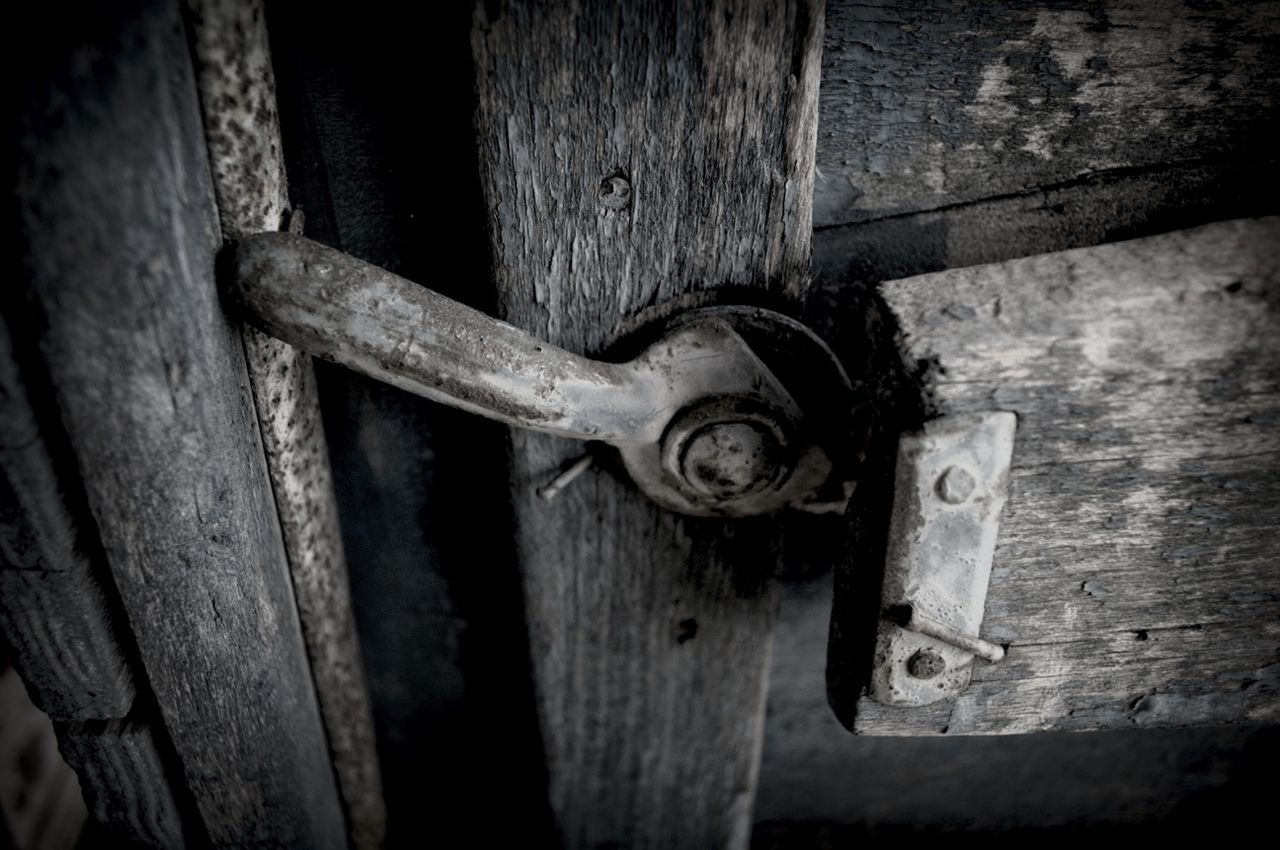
[
  {"x": 634, "y": 155},
  {"x": 117, "y": 763},
  {"x": 237, "y": 93},
  {"x": 933, "y": 107},
  {"x": 58, "y": 615},
  {"x": 52, "y": 609},
  {"x": 61, "y": 633},
  {"x": 116, "y": 216}
]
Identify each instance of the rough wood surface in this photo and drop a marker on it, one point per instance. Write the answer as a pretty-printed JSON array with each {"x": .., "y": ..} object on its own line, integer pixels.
[
  {"x": 1135, "y": 577},
  {"x": 52, "y": 609},
  {"x": 929, "y": 105},
  {"x": 237, "y": 94},
  {"x": 115, "y": 761},
  {"x": 632, "y": 154},
  {"x": 819, "y": 782},
  {"x": 64, "y": 627},
  {"x": 1088, "y": 211},
  {"x": 117, "y": 220},
  {"x": 59, "y": 627}
]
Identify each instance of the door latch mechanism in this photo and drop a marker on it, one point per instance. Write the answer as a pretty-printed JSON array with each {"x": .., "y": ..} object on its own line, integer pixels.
[
  {"x": 949, "y": 489},
  {"x": 732, "y": 411}
]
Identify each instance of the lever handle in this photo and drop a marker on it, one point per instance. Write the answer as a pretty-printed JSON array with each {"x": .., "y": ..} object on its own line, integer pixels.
[
  {"x": 703, "y": 423},
  {"x": 341, "y": 309}
]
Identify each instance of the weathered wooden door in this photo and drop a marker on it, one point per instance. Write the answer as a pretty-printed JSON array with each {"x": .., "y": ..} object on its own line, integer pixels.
[{"x": 1048, "y": 212}]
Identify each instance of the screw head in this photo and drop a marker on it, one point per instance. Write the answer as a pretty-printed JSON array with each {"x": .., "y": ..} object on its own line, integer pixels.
[
  {"x": 925, "y": 664},
  {"x": 726, "y": 460},
  {"x": 955, "y": 485}
]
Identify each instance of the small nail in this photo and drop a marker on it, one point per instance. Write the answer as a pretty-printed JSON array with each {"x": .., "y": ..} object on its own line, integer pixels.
[
  {"x": 552, "y": 489},
  {"x": 967, "y": 643}
]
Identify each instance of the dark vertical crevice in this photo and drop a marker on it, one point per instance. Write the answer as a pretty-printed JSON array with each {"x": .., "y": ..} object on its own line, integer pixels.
[
  {"x": 376, "y": 116},
  {"x": 846, "y": 309}
]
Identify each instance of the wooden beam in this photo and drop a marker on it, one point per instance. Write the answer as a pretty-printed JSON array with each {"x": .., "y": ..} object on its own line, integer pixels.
[
  {"x": 118, "y": 763},
  {"x": 237, "y": 93},
  {"x": 60, "y": 618},
  {"x": 52, "y": 606},
  {"x": 119, "y": 232},
  {"x": 638, "y": 157},
  {"x": 925, "y": 107},
  {"x": 1134, "y": 578}
]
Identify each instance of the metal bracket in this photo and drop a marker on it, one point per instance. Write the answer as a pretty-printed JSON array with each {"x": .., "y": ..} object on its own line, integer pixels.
[{"x": 949, "y": 490}]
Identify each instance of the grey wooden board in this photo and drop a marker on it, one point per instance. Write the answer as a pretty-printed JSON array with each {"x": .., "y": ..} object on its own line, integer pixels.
[
  {"x": 1135, "y": 576},
  {"x": 649, "y": 633},
  {"x": 117, "y": 218},
  {"x": 928, "y": 105},
  {"x": 117, "y": 763},
  {"x": 813, "y": 771},
  {"x": 817, "y": 780},
  {"x": 35, "y": 523},
  {"x": 59, "y": 627},
  {"x": 52, "y": 608}
]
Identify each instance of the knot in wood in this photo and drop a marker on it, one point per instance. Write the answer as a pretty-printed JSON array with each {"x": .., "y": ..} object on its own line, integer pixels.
[{"x": 615, "y": 193}]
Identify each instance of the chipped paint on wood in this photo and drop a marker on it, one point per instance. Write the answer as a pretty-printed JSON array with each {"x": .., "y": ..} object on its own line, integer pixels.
[{"x": 118, "y": 763}]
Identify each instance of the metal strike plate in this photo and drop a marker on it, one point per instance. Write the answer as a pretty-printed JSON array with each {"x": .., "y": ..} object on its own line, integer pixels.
[{"x": 949, "y": 489}]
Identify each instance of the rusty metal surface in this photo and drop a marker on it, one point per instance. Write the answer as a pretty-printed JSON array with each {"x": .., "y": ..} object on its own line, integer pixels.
[
  {"x": 704, "y": 425},
  {"x": 237, "y": 94},
  {"x": 949, "y": 490}
]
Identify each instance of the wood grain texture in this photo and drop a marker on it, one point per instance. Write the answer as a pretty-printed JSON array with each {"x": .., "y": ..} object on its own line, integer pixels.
[
  {"x": 632, "y": 154},
  {"x": 818, "y": 780},
  {"x": 59, "y": 627},
  {"x": 66, "y": 632},
  {"x": 1135, "y": 576},
  {"x": 35, "y": 524},
  {"x": 117, "y": 219},
  {"x": 52, "y": 609},
  {"x": 118, "y": 762},
  {"x": 924, "y": 106},
  {"x": 237, "y": 94},
  {"x": 1088, "y": 211}
]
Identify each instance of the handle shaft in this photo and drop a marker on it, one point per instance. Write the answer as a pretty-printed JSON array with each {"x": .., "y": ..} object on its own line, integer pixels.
[{"x": 338, "y": 308}]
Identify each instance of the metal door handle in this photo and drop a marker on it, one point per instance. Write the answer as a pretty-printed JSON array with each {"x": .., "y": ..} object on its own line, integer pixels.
[{"x": 732, "y": 411}]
